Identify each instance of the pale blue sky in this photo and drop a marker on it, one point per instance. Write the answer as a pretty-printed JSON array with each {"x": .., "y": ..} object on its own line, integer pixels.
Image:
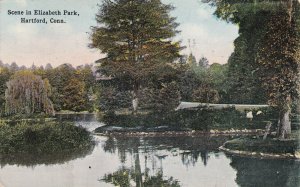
[{"x": 67, "y": 43}]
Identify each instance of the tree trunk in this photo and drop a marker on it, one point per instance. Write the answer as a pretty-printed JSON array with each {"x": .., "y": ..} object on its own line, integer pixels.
[
  {"x": 135, "y": 104},
  {"x": 298, "y": 104},
  {"x": 135, "y": 100},
  {"x": 284, "y": 124},
  {"x": 290, "y": 9}
]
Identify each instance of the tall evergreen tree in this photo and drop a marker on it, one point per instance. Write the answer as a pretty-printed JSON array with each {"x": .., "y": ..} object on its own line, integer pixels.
[{"x": 136, "y": 36}]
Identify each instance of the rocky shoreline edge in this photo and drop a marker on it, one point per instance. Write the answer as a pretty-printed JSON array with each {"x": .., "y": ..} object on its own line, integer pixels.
[
  {"x": 260, "y": 154},
  {"x": 169, "y": 133}
]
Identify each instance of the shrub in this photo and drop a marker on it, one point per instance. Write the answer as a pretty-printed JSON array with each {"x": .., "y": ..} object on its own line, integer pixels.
[{"x": 42, "y": 138}]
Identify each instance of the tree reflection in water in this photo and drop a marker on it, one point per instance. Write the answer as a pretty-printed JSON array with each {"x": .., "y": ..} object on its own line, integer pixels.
[
  {"x": 151, "y": 151},
  {"x": 265, "y": 172},
  {"x": 34, "y": 159},
  {"x": 127, "y": 177}
]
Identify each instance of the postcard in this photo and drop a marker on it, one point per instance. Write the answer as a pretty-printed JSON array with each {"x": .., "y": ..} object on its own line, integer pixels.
[{"x": 149, "y": 93}]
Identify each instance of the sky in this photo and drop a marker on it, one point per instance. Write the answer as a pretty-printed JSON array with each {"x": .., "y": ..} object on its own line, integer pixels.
[{"x": 39, "y": 44}]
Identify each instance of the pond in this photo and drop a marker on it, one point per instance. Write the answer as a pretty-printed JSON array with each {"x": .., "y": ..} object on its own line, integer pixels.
[{"x": 148, "y": 161}]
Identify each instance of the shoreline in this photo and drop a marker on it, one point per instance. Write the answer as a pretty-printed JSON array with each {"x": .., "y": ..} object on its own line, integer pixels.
[
  {"x": 261, "y": 155},
  {"x": 212, "y": 133},
  {"x": 180, "y": 133}
]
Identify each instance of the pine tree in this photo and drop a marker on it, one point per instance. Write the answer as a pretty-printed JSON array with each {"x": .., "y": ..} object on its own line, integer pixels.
[{"x": 136, "y": 36}]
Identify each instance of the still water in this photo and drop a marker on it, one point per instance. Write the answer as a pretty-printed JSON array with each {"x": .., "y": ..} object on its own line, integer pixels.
[{"x": 148, "y": 161}]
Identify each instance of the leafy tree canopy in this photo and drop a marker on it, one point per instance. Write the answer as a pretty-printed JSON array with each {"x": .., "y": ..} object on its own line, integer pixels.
[{"x": 27, "y": 93}]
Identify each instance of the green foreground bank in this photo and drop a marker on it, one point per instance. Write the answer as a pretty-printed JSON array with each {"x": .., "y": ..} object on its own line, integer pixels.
[{"x": 25, "y": 139}]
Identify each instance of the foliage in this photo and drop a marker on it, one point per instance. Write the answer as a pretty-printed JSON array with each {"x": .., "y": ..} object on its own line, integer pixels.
[
  {"x": 192, "y": 60},
  {"x": 111, "y": 99},
  {"x": 137, "y": 38},
  {"x": 205, "y": 95},
  {"x": 263, "y": 146},
  {"x": 274, "y": 51},
  {"x": 75, "y": 98},
  {"x": 219, "y": 78},
  {"x": 37, "y": 138},
  {"x": 5, "y": 75},
  {"x": 59, "y": 78},
  {"x": 86, "y": 75},
  {"x": 204, "y": 85},
  {"x": 203, "y": 62},
  {"x": 124, "y": 176},
  {"x": 27, "y": 93},
  {"x": 201, "y": 119},
  {"x": 163, "y": 99},
  {"x": 243, "y": 78},
  {"x": 161, "y": 94},
  {"x": 278, "y": 56}
]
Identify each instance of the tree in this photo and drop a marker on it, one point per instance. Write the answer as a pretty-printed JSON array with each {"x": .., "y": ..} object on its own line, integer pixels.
[
  {"x": 192, "y": 60},
  {"x": 279, "y": 57},
  {"x": 243, "y": 80},
  {"x": 48, "y": 66},
  {"x": 137, "y": 38},
  {"x": 75, "y": 97},
  {"x": 85, "y": 74},
  {"x": 203, "y": 62},
  {"x": 59, "y": 78},
  {"x": 14, "y": 67},
  {"x": 27, "y": 93},
  {"x": 183, "y": 59},
  {"x": 276, "y": 54},
  {"x": 164, "y": 99},
  {"x": 5, "y": 75},
  {"x": 219, "y": 80},
  {"x": 22, "y": 68},
  {"x": 33, "y": 67}
]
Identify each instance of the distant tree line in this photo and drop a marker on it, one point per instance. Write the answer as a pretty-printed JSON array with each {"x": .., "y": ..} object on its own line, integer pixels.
[{"x": 46, "y": 89}]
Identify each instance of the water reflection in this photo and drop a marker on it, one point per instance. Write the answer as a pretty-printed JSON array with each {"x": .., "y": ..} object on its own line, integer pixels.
[
  {"x": 147, "y": 155},
  {"x": 147, "y": 161},
  {"x": 89, "y": 121},
  {"x": 188, "y": 148},
  {"x": 127, "y": 177},
  {"x": 35, "y": 156},
  {"x": 34, "y": 159},
  {"x": 267, "y": 173}
]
